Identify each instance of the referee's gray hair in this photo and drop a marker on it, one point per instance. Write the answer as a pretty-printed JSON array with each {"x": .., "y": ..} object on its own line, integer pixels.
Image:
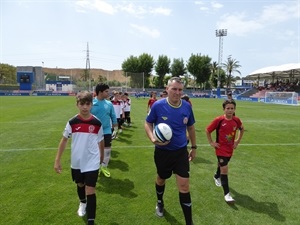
[{"x": 175, "y": 79}]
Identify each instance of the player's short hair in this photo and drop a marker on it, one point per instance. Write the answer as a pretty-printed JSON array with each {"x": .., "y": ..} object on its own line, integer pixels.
[
  {"x": 100, "y": 87},
  {"x": 84, "y": 97},
  {"x": 228, "y": 101}
]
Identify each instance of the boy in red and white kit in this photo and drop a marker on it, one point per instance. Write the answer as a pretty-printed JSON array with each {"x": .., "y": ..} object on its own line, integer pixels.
[
  {"x": 118, "y": 107},
  {"x": 87, "y": 152},
  {"x": 226, "y": 127},
  {"x": 127, "y": 108}
]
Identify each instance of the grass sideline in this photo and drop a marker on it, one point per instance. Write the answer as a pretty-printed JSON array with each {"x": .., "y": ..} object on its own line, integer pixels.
[{"x": 264, "y": 172}]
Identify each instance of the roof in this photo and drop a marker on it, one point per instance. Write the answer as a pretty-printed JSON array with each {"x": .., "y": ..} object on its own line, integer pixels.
[{"x": 283, "y": 71}]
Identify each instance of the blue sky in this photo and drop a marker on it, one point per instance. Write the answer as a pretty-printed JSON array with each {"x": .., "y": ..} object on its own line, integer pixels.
[{"x": 55, "y": 33}]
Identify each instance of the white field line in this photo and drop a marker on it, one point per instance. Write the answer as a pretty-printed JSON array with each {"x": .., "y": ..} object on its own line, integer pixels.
[{"x": 149, "y": 146}]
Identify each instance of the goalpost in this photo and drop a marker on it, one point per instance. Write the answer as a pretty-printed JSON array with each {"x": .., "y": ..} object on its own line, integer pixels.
[
  {"x": 135, "y": 80},
  {"x": 283, "y": 98}
]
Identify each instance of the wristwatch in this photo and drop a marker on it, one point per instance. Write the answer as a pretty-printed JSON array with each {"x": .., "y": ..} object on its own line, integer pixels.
[{"x": 194, "y": 147}]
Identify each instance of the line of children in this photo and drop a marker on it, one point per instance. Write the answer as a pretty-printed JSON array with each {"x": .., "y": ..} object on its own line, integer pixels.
[{"x": 93, "y": 136}]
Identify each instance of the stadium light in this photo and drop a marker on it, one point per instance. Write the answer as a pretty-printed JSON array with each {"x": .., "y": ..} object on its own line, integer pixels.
[{"x": 220, "y": 33}]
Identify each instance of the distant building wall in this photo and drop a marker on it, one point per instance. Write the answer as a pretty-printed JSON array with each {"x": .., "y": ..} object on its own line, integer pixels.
[{"x": 39, "y": 80}]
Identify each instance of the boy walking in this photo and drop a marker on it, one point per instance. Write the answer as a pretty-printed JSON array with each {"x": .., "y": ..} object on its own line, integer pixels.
[
  {"x": 226, "y": 127},
  {"x": 87, "y": 152},
  {"x": 104, "y": 110}
]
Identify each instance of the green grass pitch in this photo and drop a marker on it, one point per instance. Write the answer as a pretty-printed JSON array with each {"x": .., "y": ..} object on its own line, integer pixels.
[{"x": 263, "y": 175}]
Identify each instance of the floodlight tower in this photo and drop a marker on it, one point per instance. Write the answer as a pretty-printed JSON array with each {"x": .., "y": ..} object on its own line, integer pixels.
[
  {"x": 88, "y": 66},
  {"x": 220, "y": 33}
]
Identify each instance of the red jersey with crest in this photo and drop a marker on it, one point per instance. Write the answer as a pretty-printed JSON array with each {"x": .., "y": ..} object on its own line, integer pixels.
[{"x": 225, "y": 133}]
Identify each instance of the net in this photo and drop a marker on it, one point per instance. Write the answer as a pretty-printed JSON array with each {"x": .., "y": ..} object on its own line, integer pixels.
[
  {"x": 135, "y": 80},
  {"x": 283, "y": 98}
]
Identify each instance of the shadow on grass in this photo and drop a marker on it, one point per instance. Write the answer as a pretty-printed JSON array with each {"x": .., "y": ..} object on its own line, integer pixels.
[
  {"x": 171, "y": 219},
  {"x": 132, "y": 126},
  {"x": 130, "y": 129},
  {"x": 112, "y": 223},
  {"x": 124, "y": 138},
  {"x": 124, "y": 134},
  {"x": 268, "y": 208},
  {"x": 118, "y": 164},
  {"x": 198, "y": 160},
  {"x": 114, "y": 154},
  {"x": 116, "y": 186}
]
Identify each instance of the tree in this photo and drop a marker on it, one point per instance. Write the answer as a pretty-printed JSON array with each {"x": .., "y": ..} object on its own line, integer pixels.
[
  {"x": 101, "y": 79},
  {"x": 85, "y": 75},
  {"x": 200, "y": 67},
  {"x": 8, "y": 74},
  {"x": 178, "y": 68},
  {"x": 162, "y": 67},
  {"x": 214, "y": 74},
  {"x": 146, "y": 64},
  {"x": 231, "y": 66},
  {"x": 131, "y": 64},
  {"x": 142, "y": 64}
]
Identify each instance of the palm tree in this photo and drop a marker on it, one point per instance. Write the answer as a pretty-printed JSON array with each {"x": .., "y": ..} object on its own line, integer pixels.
[
  {"x": 231, "y": 66},
  {"x": 214, "y": 74}
]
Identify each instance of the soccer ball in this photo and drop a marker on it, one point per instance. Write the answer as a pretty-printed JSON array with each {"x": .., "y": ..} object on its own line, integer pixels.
[{"x": 162, "y": 132}]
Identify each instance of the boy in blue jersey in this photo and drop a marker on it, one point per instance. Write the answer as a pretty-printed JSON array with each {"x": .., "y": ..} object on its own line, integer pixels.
[
  {"x": 172, "y": 156},
  {"x": 104, "y": 110}
]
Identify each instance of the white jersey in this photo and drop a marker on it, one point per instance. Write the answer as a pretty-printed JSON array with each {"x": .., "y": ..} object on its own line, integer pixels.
[
  {"x": 86, "y": 135},
  {"x": 127, "y": 105},
  {"x": 118, "y": 107}
]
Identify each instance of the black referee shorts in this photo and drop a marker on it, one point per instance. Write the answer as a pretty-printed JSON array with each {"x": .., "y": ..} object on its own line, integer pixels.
[{"x": 172, "y": 161}]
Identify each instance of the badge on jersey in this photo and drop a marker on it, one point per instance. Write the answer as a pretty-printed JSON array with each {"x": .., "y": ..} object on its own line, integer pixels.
[{"x": 185, "y": 120}]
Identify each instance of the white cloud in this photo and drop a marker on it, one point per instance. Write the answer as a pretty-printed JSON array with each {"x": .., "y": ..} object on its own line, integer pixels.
[
  {"x": 280, "y": 13},
  {"x": 287, "y": 35},
  {"x": 199, "y": 3},
  {"x": 203, "y": 8},
  {"x": 102, "y": 6},
  {"x": 127, "y": 7},
  {"x": 99, "y": 5},
  {"x": 154, "y": 33},
  {"x": 213, "y": 6},
  {"x": 132, "y": 9},
  {"x": 240, "y": 25},
  {"x": 140, "y": 11},
  {"x": 161, "y": 11},
  {"x": 216, "y": 5}
]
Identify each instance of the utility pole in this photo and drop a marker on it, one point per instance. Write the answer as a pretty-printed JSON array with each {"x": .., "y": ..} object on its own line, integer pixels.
[{"x": 88, "y": 66}]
